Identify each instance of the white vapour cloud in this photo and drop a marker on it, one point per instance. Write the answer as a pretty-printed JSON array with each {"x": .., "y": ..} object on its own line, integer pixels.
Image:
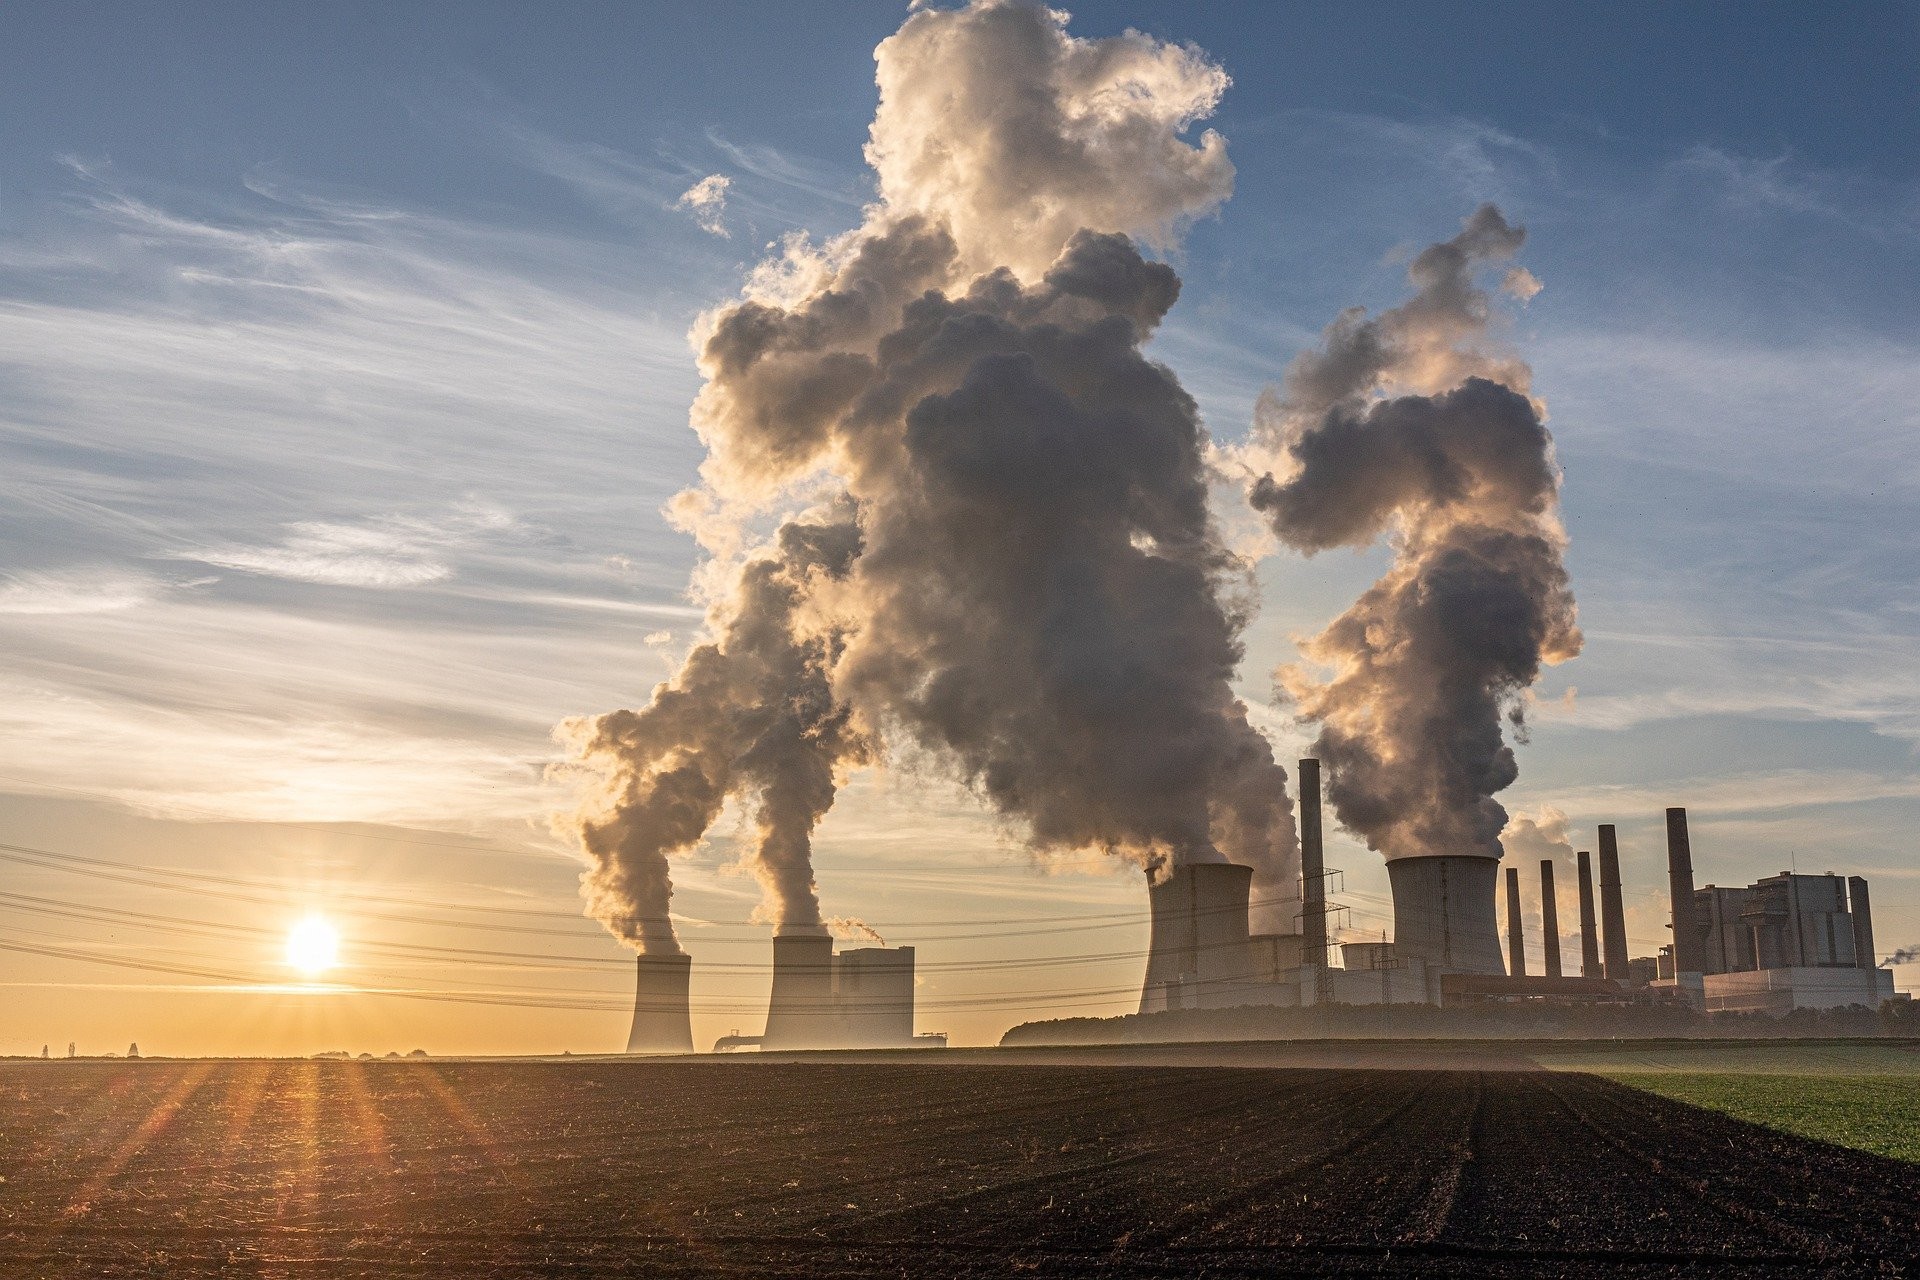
[
  {"x": 1015, "y": 135},
  {"x": 707, "y": 201},
  {"x": 83, "y": 590}
]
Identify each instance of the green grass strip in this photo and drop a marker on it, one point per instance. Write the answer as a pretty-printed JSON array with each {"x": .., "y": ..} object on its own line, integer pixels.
[{"x": 1878, "y": 1113}]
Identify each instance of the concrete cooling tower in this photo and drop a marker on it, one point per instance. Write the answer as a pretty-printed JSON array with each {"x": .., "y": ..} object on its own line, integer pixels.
[
  {"x": 662, "y": 1021},
  {"x": 800, "y": 1010},
  {"x": 860, "y": 999},
  {"x": 1197, "y": 948},
  {"x": 1443, "y": 912}
]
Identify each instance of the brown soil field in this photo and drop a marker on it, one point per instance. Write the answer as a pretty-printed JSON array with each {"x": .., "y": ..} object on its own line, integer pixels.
[{"x": 910, "y": 1168}]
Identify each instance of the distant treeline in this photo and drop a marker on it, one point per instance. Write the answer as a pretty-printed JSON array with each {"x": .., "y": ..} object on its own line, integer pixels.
[{"x": 1480, "y": 1021}]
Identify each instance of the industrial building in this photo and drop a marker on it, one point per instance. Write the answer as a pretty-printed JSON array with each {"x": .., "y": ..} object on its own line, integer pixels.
[
  {"x": 1202, "y": 956},
  {"x": 859, "y": 999},
  {"x": 1787, "y": 942}
]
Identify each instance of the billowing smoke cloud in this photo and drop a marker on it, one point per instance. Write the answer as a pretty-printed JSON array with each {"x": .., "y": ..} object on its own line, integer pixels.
[
  {"x": 1531, "y": 837},
  {"x": 750, "y": 713},
  {"x": 1414, "y": 424},
  {"x": 1905, "y": 955},
  {"x": 1015, "y": 136},
  {"x": 1033, "y": 594}
]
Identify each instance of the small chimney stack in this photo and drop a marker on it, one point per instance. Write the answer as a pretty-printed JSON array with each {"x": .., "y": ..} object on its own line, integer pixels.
[
  {"x": 1313, "y": 870},
  {"x": 1862, "y": 913},
  {"x": 1516, "y": 940},
  {"x": 1613, "y": 915},
  {"x": 1589, "y": 938},
  {"x": 1687, "y": 943},
  {"x": 1550, "y": 917}
]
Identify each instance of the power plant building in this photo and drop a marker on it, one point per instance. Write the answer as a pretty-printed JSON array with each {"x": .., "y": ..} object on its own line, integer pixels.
[
  {"x": 859, "y": 999},
  {"x": 1201, "y": 954},
  {"x": 1787, "y": 942}
]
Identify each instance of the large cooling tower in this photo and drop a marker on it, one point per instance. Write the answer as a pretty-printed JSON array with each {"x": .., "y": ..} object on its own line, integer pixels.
[
  {"x": 873, "y": 987},
  {"x": 800, "y": 1011},
  {"x": 1198, "y": 952},
  {"x": 662, "y": 1022},
  {"x": 1443, "y": 912}
]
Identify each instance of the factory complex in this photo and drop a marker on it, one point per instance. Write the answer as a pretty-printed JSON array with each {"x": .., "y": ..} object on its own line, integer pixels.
[{"x": 1790, "y": 941}]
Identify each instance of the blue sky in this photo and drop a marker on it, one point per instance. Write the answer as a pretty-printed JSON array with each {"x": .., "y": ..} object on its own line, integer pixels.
[{"x": 343, "y": 374}]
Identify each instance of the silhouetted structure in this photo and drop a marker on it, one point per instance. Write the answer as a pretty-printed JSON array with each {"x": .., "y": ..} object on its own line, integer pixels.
[
  {"x": 1589, "y": 936},
  {"x": 1516, "y": 939}
]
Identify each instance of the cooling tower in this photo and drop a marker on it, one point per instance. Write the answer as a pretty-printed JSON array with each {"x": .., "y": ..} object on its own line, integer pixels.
[
  {"x": 662, "y": 1022},
  {"x": 800, "y": 1011},
  {"x": 1689, "y": 949},
  {"x": 1313, "y": 869},
  {"x": 1613, "y": 915},
  {"x": 1550, "y": 917},
  {"x": 1443, "y": 912},
  {"x": 1198, "y": 952},
  {"x": 1516, "y": 933},
  {"x": 1589, "y": 937},
  {"x": 873, "y": 987}
]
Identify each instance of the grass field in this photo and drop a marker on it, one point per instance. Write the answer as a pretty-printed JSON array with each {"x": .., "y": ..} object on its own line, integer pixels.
[
  {"x": 1877, "y": 1113},
  {"x": 1862, "y": 1094}
]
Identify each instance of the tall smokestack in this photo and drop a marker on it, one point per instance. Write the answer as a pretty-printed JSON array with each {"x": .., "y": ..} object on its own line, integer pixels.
[
  {"x": 800, "y": 1009},
  {"x": 1313, "y": 880},
  {"x": 1589, "y": 937},
  {"x": 1613, "y": 916},
  {"x": 1516, "y": 940},
  {"x": 1686, "y": 934},
  {"x": 1857, "y": 906},
  {"x": 662, "y": 1020},
  {"x": 1550, "y": 917}
]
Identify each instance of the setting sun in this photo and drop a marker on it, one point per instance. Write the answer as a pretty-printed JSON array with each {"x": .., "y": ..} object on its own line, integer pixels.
[{"x": 313, "y": 946}]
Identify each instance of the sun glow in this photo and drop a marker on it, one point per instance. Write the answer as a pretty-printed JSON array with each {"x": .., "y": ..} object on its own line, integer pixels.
[{"x": 313, "y": 946}]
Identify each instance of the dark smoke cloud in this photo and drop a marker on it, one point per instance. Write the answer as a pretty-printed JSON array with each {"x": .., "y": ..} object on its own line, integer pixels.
[
  {"x": 1414, "y": 424},
  {"x": 1034, "y": 596},
  {"x": 1905, "y": 955},
  {"x": 750, "y": 713}
]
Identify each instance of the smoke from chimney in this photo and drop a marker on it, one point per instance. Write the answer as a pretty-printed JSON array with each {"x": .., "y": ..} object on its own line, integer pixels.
[
  {"x": 1016, "y": 574},
  {"x": 1414, "y": 424}
]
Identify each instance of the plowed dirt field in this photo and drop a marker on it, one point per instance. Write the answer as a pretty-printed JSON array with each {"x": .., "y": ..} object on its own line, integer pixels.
[{"x": 910, "y": 1169}]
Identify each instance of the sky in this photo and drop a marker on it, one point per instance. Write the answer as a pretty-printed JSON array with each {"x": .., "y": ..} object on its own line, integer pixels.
[{"x": 345, "y": 371}]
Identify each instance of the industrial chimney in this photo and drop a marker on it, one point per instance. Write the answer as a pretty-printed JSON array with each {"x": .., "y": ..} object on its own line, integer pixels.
[
  {"x": 662, "y": 1019},
  {"x": 1862, "y": 913},
  {"x": 801, "y": 1013},
  {"x": 1516, "y": 938},
  {"x": 1550, "y": 917},
  {"x": 1313, "y": 869},
  {"x": 1687, "y": 943},
  {"x": 1443, "y": 911},
  {"x": 1613, "y": 915},
  {"x": 1589, "y": 939}
]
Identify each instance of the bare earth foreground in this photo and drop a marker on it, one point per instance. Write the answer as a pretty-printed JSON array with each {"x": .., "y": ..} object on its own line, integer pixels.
[{"x": 910, "y": 1168}]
